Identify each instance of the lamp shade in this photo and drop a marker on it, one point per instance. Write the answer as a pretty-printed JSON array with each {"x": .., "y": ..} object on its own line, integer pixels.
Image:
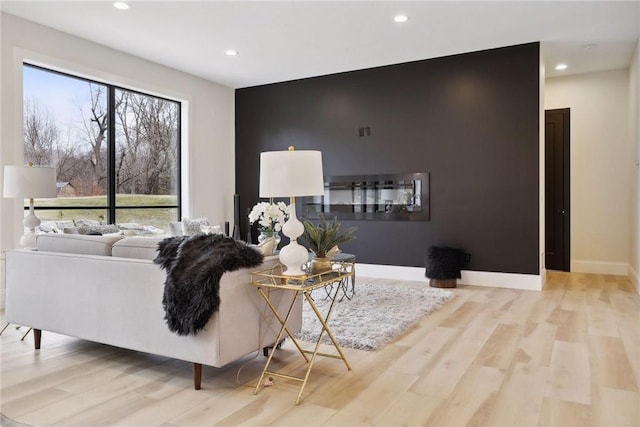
[
  {"x": 291, "y": 173},
  {"x": 21, "y": 182}
]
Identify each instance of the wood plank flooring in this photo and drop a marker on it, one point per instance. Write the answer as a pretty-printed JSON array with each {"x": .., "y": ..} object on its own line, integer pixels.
[{"x": 566, "y": 356}]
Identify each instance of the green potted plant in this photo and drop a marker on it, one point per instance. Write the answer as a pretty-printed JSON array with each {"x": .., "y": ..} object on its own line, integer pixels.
[{"x": 322, "y": 238}]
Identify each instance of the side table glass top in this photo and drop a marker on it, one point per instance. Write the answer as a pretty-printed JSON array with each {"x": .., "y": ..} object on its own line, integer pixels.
[{"x": 274, "y": 277}]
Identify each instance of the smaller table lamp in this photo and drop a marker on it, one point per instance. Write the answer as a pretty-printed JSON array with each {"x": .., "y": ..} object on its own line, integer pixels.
[
  {"x": 290, "y": 174},
  {"x": 21, "y": 182}
]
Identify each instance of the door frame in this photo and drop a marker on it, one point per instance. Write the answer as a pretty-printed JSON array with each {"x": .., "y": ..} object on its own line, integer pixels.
[{"x": 566, "y": 124}]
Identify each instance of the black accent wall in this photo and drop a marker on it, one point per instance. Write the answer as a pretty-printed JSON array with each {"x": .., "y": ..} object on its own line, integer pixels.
[{"x": 470, "y": 120}]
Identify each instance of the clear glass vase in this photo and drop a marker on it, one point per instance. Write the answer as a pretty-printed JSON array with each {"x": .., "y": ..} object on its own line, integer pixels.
[{"x": 265, "y": 234}]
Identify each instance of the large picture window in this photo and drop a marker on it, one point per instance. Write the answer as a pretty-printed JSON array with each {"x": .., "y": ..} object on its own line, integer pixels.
[{"x": 116, "y": 151}]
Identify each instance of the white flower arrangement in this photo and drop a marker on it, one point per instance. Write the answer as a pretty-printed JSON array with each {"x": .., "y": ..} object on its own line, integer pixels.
[{"x": 270, "y": 216}]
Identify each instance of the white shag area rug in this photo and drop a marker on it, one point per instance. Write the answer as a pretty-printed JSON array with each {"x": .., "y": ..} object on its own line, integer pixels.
[{"x": 374, "y": 316}]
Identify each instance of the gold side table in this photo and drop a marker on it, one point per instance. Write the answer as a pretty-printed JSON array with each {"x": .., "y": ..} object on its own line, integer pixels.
[{"x": 273, "y": 278}]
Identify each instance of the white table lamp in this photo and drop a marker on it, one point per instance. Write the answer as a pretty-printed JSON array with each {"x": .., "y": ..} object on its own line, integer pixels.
[
  {"x": 22, "y": 182},
  {"x": 292, "y": 174}
]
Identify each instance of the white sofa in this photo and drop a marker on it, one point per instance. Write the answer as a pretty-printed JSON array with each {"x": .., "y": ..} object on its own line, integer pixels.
[{"x": 107, "y": 289}]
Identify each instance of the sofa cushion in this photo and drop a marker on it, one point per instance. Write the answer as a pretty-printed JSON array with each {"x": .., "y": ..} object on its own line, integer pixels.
[
  {"x": 98, "y": 229},
  {"x": 48, "y": 227},
  {"x": 86, "y": 223},
  {"x": 137, "y": 247},
  {"x": 211, "y": 229},
  {"x": 192, "y": 226},
  {"x": 77, "y": 243},
  {"x": 175, "y": 228}
]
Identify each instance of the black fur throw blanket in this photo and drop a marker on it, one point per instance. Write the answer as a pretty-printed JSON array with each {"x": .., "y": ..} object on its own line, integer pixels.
[{"x": 194, "y": 266}]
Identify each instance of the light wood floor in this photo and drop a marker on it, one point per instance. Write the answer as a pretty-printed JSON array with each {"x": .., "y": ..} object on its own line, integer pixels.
[{"x": 567, "y": 356}]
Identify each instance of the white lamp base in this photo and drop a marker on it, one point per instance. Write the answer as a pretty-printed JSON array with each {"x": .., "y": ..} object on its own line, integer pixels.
[
  {"x": 31, "y": 222},
  {"x": 293, "y": 256},
  {"x": 28, "y": 240}
]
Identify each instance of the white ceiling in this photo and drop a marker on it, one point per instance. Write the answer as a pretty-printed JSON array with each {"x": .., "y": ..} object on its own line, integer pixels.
[{"x": 285, "y": 40}]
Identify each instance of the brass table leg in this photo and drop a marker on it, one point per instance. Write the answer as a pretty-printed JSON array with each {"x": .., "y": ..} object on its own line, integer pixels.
[
  {"x": 325, "y": 328},
  {"x": 17, "y": 327},
  {"x": 283, "y": 328},
  {"x": 5, "y": 327},
  {"x": 283, "y": 322},
  {"x": 25, "y": 334}
]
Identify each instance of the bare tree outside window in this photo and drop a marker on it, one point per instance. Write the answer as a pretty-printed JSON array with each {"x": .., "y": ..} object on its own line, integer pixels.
[
  {"x": 94, "y": 127},
  {"x": 146, "y": 160},
  {"x": 66, "y": 125},
  {"x": 41, "y": 134}
]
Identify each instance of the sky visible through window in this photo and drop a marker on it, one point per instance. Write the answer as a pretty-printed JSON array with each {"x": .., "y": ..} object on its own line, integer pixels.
[{"x": 62, "y": 96}]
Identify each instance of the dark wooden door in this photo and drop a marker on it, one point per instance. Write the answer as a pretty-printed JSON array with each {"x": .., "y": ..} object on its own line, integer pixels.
[{"x": 557, "y": 253}]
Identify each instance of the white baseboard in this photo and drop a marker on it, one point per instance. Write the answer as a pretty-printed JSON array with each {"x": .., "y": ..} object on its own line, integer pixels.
[
  {"x": 600, "y": 267},
  {"x": 633, "y": 276},
  {"x": 530, "y": 282}
]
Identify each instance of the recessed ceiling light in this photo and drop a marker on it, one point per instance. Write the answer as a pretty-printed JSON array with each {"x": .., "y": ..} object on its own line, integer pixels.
[
  {"x": 231, "y": 52},
  {"x": 121, "y": 5},
  {"x": 560, "y": 67},
  {"x": 401, "y": 18}
]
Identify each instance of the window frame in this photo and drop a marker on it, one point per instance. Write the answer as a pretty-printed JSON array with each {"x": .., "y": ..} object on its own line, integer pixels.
[{"x": 111, "y": 192}]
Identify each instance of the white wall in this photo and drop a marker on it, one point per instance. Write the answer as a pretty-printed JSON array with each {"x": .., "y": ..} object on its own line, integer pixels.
[
  {"x": 634, "y": 142},
  {"x": 208, "y": 114},
  {"x": 601, "y": 168}
]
